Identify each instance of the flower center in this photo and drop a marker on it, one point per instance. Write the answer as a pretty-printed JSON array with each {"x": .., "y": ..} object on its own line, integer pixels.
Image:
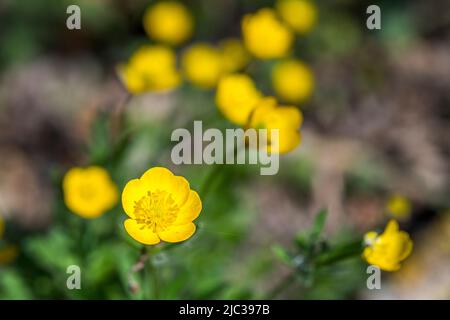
[{"x": 156, "y": 211}]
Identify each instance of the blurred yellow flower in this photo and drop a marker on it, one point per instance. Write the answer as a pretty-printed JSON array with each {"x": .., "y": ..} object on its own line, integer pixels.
[
  {"x": 150, "y": 68},
  {"x": 8, "y": 254},
  {"x": 292, "y": 80},
  {"x": 89, "y": 192},
  {"x": 300, "y": 15},
  {"x": 265, "y": 36},
  {"x": 160, "y": 206},
  {"x": 169, "y": 22},
  {"x": 235, "y": 56},
  {"x": 398, "y": 206},
  {"x": 389, "y": 249},
  {"x": 202, "y": 65},
  {"x": 2, "y": 227},
  {"x": 236, "y": 97},
  {"x": 287, "y": 120}
]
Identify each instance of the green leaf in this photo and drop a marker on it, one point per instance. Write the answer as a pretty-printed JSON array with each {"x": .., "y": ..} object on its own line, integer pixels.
[
  {"x": 13, "y": 286},
  {"x": 340, "y": 252},
  {"x": 281, "y": 253},
  {"x": 318, "y": 225},
  {"x": 302, "y": 241}
]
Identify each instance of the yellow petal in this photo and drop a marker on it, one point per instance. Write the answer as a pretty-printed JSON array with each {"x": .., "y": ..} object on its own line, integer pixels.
[
  {"x": 178, "y": 233},
  {"x": 190, "y": 210},
  {"x": 407, "y": 245},
  {"x": 369, "y": 237},
  {"x": 291, "y": 116},
  {"x": 391, "y": 227},
  {"x": 288, "y": 141},
  {"x": 159, "y": 178},
  {"x": 133, "y": 191},
  {"x": 144, "y": 236}
]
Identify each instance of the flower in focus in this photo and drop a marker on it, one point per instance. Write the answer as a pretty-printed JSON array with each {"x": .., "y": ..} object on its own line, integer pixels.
[
  {"x": 202, "y": 65},
  {"x": 89, "y": 192},
  {"x": 388, "y": 249},
  {"x": 150, "y": 68},
  {"x": 265, "y": 36},
  {"x": 160, "y": 206},
  {"x": 235, "y": 56},
  {"x": 300, "y": 15},
  {"x": 287, "y": 120},
  {"x": 292, "y": 80},
  {"x": 236, "y": 97},
  {"x": 169, "y": 22},
  {"x": 398, "y": 206},
  {"x": 8, "y": 254}
]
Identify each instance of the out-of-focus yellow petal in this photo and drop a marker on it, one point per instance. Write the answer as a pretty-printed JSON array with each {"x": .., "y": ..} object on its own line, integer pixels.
[
  {"x": 168, "y": 21},
  {"x": 292, "y": 80},
  {"x": 287, "y": 120},
  {"x": 398, "y": 207},
  {"x": 202, "y": 65},
  {"x": 237, "y": 97},
  {"x": 300, "y": 15},
  {"x": 89, "y": 192},
  {"x": 150, "y": 68},
  {"x": 265, "y": 36},
  {"x": 388, "y": 249},
  {"x": 235, "y": 56}
]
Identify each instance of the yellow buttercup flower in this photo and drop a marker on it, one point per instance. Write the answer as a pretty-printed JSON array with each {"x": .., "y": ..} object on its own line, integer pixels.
[
  {"x": 398, "y": 206},
  {"x": 300, "y": 15},
  {"x": 236, "y": 97},
  {"x": 292, "y": 80},
  {"x": 265, "y": 36},
  {"x": 202, "y": 65},
  {"x": 160, "y": 206},
  {"x": 388, "y": 249},
  {"x": 235, "y": 56},
  {"x": 287, "y": 120},
  {"x": 169, "y": 22},
  {"x": 150, "y": 68},
  {"x": 8, "y": 254},
  {"x": 89, "y": 192}
]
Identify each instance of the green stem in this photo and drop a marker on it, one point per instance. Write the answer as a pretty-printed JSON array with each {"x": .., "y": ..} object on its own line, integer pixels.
[
  {"x": 213, "y": 173},
  {"x": 208, "y": 181},
  {"x": 155, "y": 277},
  {"x": 339, "y": 253},
  {"x": 149, "y": 271},
  {"x": 284, "y": 284}
]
